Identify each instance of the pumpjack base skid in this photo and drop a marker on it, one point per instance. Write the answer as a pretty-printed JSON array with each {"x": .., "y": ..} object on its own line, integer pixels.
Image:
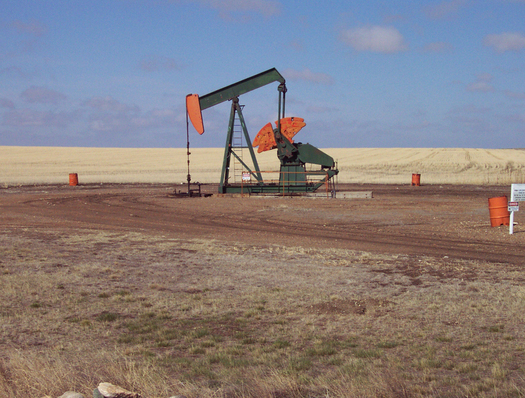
[{"x": 270, "y": 189}]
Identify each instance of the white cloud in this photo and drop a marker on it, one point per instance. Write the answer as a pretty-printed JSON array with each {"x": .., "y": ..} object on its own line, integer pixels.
[
  {"x": 380, "y": 39},
  {"x": 15, "y": 71},
  {"x": 30, "y": 117},
  {"x": 34, "y": 27},
  {"x": 235, "y": 10},
  {"x": 308, "y": 75},
  {"x": 156, "y": 118},
  {"x": 297, "y": 45},
  {"x": 471, "y": 117},
  {"x": 514, "y": 94},
  {"x": 159, "y": 63},
  {"x": 509, "y": 41},
  {"x": 117, "y": 117},
  {"x": 6, "y": 103},
  {"x": 225, "y": 7},
  {"x": 481, "y": 84},
  {"x": 109, "y": 122},
  {"x": 109, "y": 104},
  {"x": 43, "y": 95},
  {"x": 444, "y": 9}
]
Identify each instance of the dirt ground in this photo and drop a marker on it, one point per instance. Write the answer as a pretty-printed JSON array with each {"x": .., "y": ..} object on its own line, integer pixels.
[
  {"x": 413, "y": 283},
  {"x": 444, "y": 221}
]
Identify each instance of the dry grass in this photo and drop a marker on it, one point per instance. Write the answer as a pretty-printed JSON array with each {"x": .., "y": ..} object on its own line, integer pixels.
[
  {"x": 30, "y": 165},
  {"x": 167, "y": 316}
]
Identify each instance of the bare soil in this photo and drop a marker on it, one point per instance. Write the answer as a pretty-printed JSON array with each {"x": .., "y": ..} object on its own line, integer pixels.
[{"x": 434, "y": 220}]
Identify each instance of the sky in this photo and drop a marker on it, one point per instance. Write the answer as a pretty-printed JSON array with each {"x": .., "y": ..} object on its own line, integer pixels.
[{"x": 362, "y": 73}]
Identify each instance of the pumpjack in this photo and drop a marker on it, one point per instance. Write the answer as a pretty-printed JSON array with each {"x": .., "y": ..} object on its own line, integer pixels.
[{"x": 294, "y": 176}]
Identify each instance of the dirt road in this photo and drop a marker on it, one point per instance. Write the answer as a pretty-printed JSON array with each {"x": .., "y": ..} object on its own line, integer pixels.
[{"x": 439, "y": 221}]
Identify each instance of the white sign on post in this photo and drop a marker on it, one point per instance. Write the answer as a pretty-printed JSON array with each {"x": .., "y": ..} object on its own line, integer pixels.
[{"x": 517, "y": 194}]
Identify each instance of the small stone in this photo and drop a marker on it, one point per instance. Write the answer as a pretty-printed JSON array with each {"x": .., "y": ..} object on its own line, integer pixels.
[
  {"x": 108, "y": 390},
  {"x": 72, "y": 394}
]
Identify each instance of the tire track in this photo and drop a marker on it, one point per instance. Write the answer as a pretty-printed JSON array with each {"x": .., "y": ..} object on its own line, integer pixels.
[{"x": 200, "y": 218}]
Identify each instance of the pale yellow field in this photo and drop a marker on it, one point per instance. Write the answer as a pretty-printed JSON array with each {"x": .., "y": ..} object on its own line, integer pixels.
[{"x": 43, "y": 165}]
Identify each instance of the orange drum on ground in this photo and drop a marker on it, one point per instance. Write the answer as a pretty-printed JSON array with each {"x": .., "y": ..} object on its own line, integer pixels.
[
  {"x": 499, "y": 211},
  {"x": 416, "y": 179},
  {"x": 73, "y": 179}
]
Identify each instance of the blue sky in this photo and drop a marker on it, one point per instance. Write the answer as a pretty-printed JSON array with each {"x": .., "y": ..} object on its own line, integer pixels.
[{"x": 374, "y": 73}]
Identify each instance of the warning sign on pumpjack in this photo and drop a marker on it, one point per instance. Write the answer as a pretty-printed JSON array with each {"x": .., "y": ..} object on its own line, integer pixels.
[{"x": 518, "y": 192}]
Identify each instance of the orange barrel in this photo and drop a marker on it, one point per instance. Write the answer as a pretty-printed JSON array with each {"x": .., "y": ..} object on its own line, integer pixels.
[
  {"x": 499, "y": 211},
  {"x": 73, "y": 179},
  {"x": 415, "y": 179}
]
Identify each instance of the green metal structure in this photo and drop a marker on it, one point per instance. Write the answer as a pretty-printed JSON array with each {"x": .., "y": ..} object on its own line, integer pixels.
[{"x": 294, "y": 177}]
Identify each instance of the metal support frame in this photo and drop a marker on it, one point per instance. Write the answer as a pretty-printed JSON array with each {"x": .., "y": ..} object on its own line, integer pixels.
[{"x": 229, "y": 150}]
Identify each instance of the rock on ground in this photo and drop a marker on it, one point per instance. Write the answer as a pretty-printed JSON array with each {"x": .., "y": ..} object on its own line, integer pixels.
[
  {"x": 71, "y": 394},
  {"x": 108, "y": 390}
]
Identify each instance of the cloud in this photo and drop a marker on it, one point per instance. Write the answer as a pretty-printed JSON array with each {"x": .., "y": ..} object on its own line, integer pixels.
[
  {"x": 43, "y": 95},
  {"x": 514, "y": 94},
  {"x": 156, "y": 118},
  {"x": 226, "y": 8},
  {"x": 471, "y": 117},
  {"x": 109, "y": 122},
  {"x": 30, "y": 117},
  {"x": 444, "y": 9},
  {"x": 308, "y": 75},
  {"x": 482, "y": 84},
  {"x": 34, "y": 28},
  {"x": 111, "y": 115},
  {"x": 5, "y": 103},
  {"x": 14, "y": 71},
  {"x": 379, "y": 39},
  {"x": 509, "y": 41},
  {"x": 151, "y": 120},
  {"x": 109, "y": 104},
  {"x": 297, "y": 45},
  {"x": 266, "y": 8},
  {"x": 158, "y": 63},
  {"x": 438, "y": 47}
]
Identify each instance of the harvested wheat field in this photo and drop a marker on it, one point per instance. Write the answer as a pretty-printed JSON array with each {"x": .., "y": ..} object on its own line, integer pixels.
[
  {"x": 409, "y": 294},
  {"x": 51, "y": 165}
]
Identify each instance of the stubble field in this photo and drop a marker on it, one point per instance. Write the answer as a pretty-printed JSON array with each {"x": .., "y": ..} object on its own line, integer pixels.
[
  {"x": 408, "y": 294},
  {"x": 44, "y": 165}
]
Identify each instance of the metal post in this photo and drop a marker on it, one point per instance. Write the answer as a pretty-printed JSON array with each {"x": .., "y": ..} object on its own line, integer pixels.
[
  {"x": 279, "y": 118},
  {"x": 284, "y": 97},
  {"x": 225, "y": 172},
  {"x": 188, "y": 177}
]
